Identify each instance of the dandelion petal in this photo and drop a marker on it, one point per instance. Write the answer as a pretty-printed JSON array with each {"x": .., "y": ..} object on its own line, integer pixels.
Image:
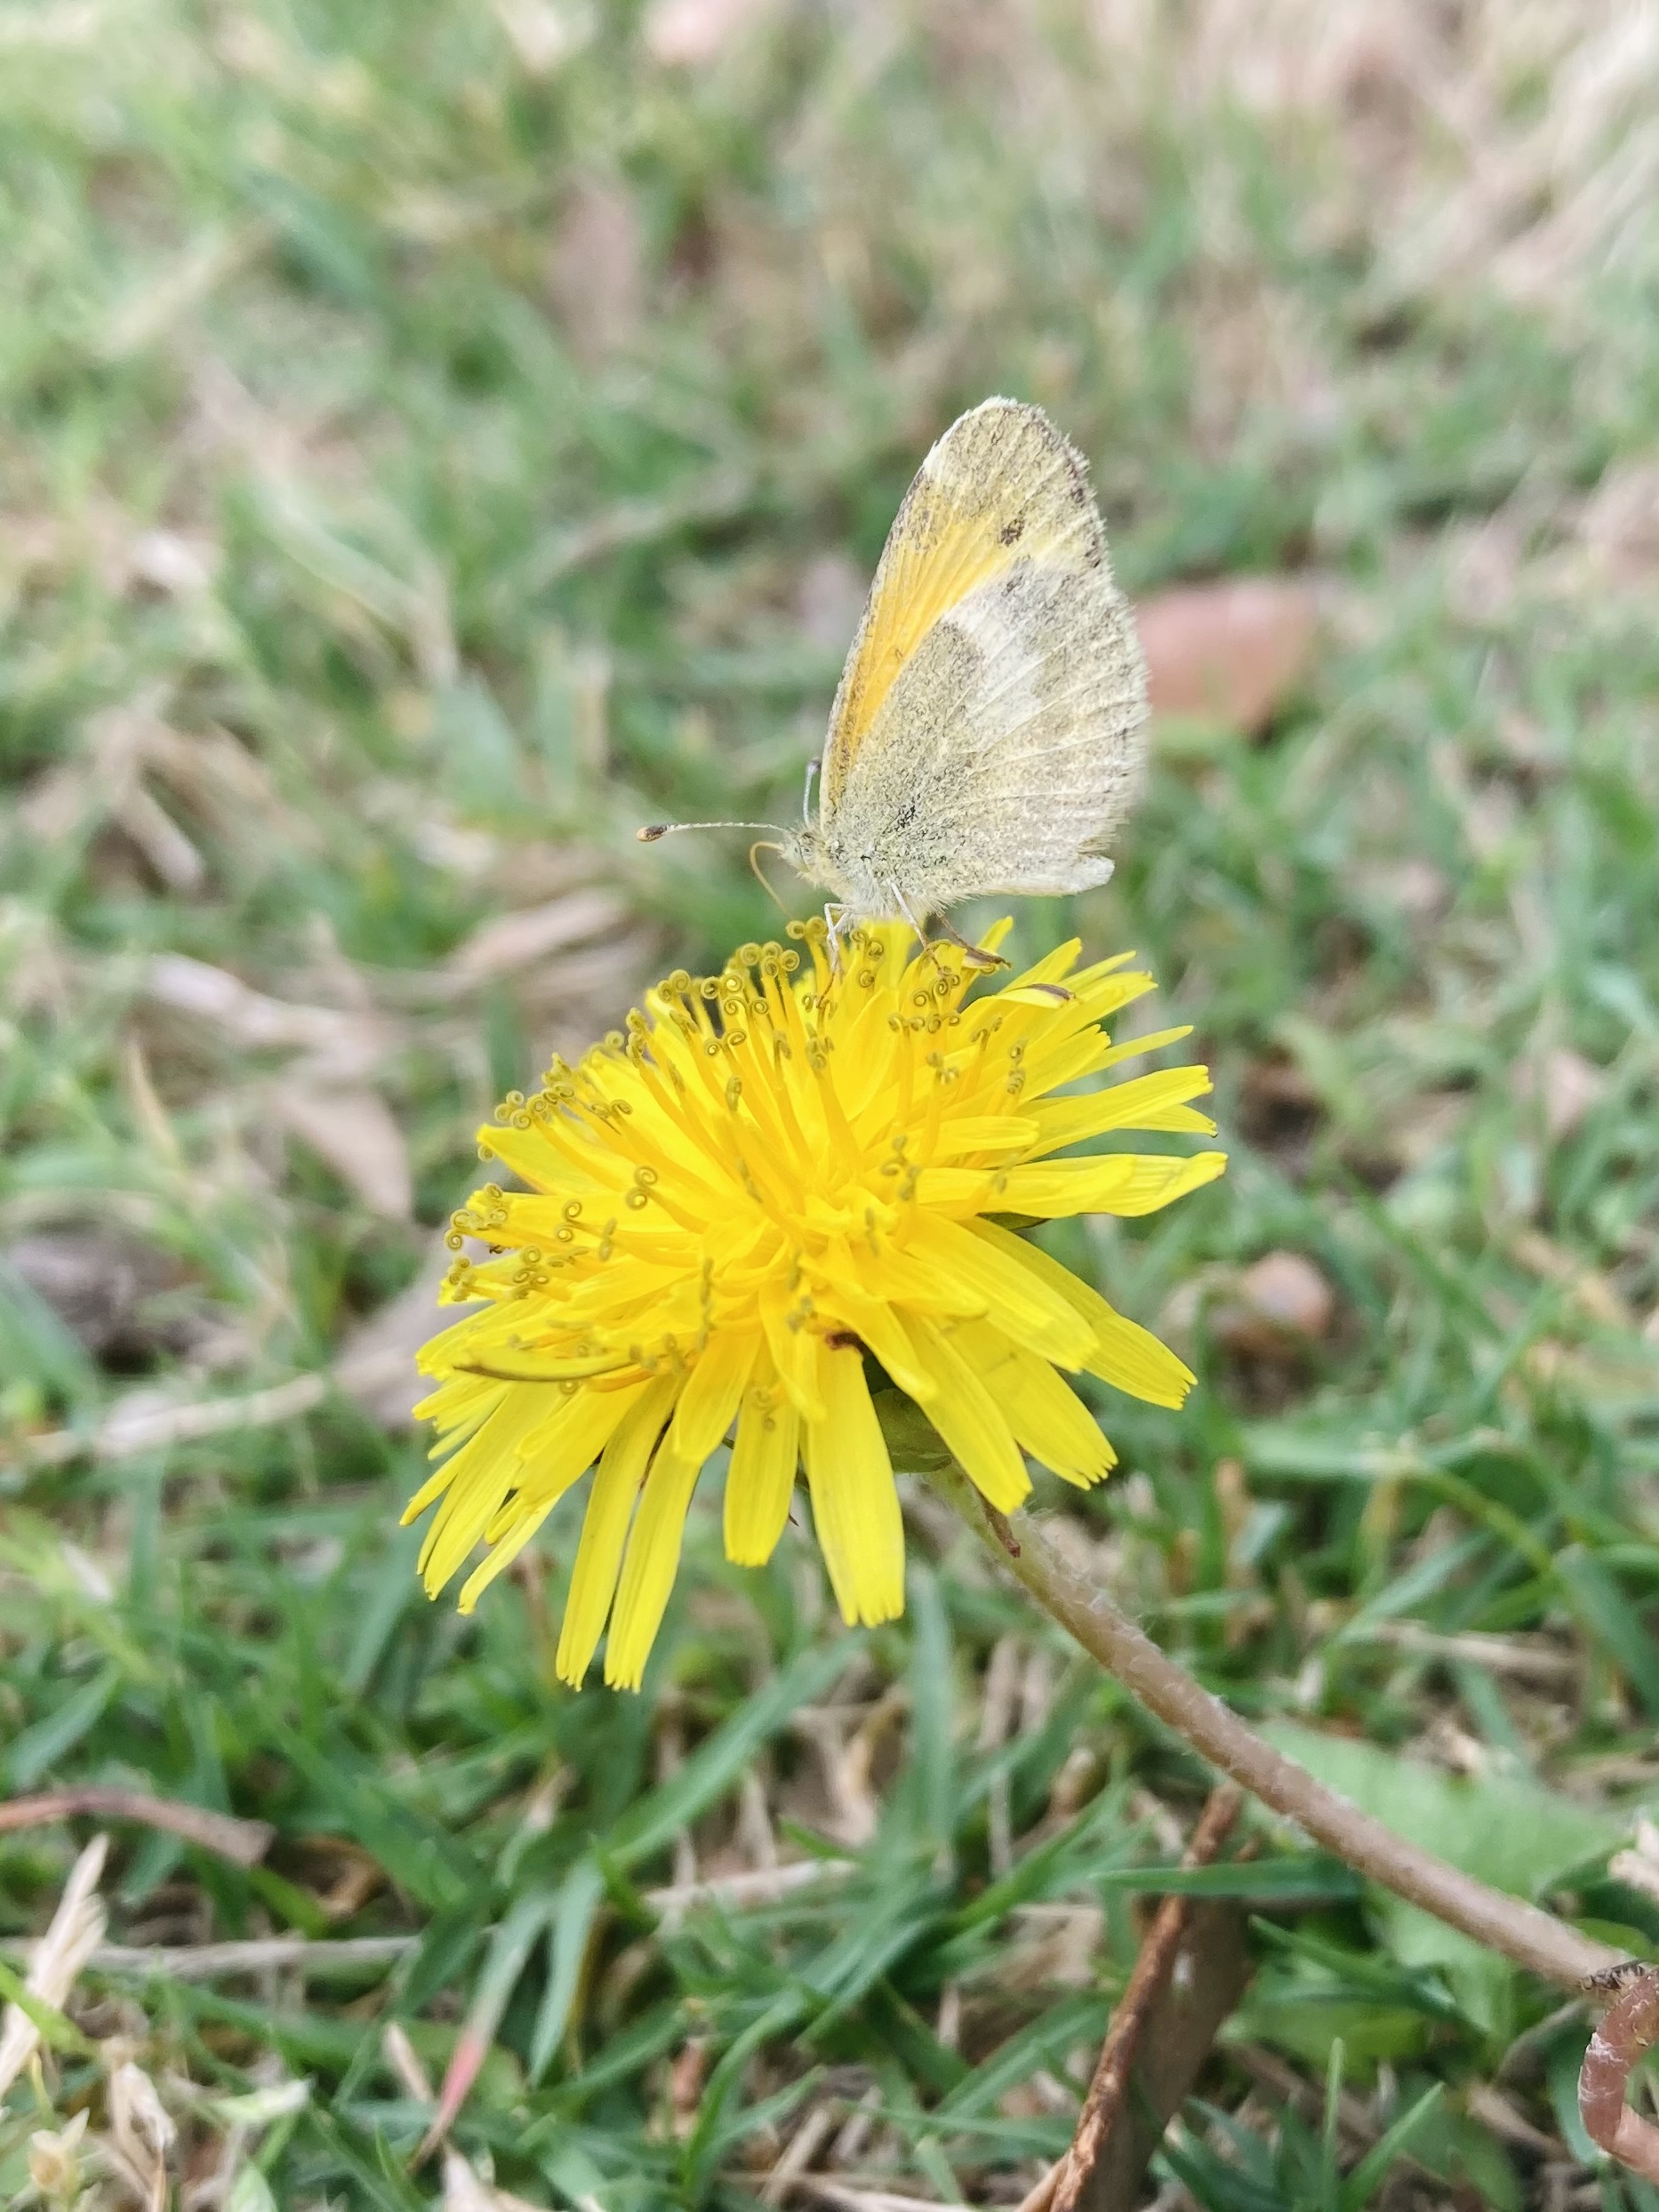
[
  {"x": 855, "y": 1502},
  {"x": 762, "y": 1478}
]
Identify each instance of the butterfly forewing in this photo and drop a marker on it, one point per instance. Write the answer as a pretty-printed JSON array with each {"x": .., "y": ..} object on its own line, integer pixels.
[{"x": 986, "y": 733}]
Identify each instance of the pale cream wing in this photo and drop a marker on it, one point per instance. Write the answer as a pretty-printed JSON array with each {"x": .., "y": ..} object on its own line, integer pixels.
[
  {"x": 1000, "y": 487},
  {"x": 1005, "y": 755},
  {"x": 1004, "y": 748}
]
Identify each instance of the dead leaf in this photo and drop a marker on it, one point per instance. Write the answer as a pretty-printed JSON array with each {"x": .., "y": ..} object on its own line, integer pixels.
[
  {"x": 407, "y": 2063},
  {"x": 542, "y": 34},
  {"x": 691, "y": 34},
  {"x": 1620, "y": 527},
  {"x": 595, "y": 268},
  {"x": 1566, "y": 1085},
  {"x": 142, "y": 2132},
  {"x": 169, "y": 562},
  {"x": 158, "y": 837},
  {"x": 687, "y": 2074},
  {"x": 1409, "y": 885},
  {"x": 1278, "y": 1304},
  {"x": 1281, "y": 1109},
  {"x": 357, "y": 1134},
  {"x": 76, "y": 1930},
  {"x": 244, "y": 1015},
  {"x": 99, "y": 1283},
  {"x": 513, "y": 940},
  {"x": 102, "y": 782},
  {"x": 54, "y": 2161},
  {"x": 1229, "y": 653},
  {"x": 345, "y": 1048}
]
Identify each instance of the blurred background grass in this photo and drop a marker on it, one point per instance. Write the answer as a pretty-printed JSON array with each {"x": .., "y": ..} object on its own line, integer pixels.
[{"x": 436, "y": 437}]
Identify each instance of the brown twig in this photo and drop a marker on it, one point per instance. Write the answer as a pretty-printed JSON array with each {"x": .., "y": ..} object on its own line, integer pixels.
[
  {"x": 1079, "y": 2181},
  {"x": 244, "y": 1842},
  {"x": 1041, "y": 2197},
  {"x": 802, "y": 2148},
  {"x": 136, "y": 1425},
  {"x": 1519, "y": 1930},
  {"x": 208, "y": 1962},
  {"x": 1628, "y": 2029},
  {"x": 1108, "y": 2098},
  {"x": 846, "y": 2199}
]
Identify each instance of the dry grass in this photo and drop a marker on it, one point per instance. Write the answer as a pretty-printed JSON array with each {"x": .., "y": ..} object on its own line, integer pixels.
[{"x": 436, "y": 438}]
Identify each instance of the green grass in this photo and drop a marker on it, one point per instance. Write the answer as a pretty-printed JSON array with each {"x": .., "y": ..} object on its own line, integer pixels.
[{"x": 419, "y": 470}]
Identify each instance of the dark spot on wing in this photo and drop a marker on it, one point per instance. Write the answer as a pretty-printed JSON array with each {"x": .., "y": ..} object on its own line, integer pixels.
[{"x": 1013, "y": 531}]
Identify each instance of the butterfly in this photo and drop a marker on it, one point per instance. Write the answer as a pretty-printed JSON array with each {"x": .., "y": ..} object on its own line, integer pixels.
[{"x": 987, "y": 734}]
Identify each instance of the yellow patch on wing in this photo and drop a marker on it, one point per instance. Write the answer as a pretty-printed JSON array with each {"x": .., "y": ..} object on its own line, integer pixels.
[{"x": 1001, "y": 487}]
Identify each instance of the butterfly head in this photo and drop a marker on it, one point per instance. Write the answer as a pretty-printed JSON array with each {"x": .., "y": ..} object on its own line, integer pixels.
[{"x": 808, "y": 854}]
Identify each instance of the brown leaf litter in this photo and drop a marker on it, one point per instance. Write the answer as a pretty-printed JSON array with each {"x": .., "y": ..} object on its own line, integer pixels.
[{"x": 1231, "y": 653}]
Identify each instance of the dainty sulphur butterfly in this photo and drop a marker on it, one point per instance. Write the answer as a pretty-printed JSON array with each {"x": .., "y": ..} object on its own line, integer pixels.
[{"x": 987, "y": 734}]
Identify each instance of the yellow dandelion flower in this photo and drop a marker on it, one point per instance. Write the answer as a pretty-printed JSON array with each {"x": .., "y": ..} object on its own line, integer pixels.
[{"x": 772, "y": 1172}]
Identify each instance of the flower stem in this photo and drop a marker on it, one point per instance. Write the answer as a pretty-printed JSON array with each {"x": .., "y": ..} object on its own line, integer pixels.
[
  {"x": 1521, "y": 1931},
  {"x": 1628, "y": 2032}
]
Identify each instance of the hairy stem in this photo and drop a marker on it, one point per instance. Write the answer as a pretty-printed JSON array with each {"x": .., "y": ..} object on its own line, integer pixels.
[{"x": 1532, "y": 1938}]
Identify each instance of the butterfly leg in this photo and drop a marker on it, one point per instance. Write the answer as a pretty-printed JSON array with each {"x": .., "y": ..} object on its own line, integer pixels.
[
  {"x": 835, "y": 914},
  {"x": 903, "y": 905},
  {"x": 976, "y": 955}
]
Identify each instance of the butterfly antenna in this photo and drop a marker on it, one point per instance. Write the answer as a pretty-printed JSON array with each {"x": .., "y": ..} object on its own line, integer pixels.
[{"x": 653, "y": 830}]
